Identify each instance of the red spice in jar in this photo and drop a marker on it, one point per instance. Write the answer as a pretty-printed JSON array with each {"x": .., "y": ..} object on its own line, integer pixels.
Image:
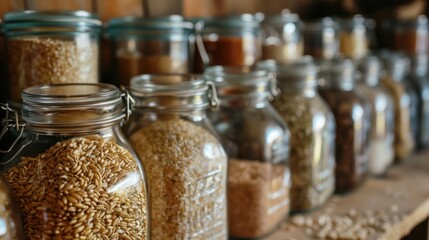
[{"x": 230, "y": 51}]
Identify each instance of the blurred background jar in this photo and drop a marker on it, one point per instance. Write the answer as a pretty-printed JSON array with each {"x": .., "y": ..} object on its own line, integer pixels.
[
  {"x": 231, "y": 41},
  {"x": 38, "y": 42},
  {"x": 420, "y": 82},
  {"x": 351, "y": 141},
  {"x": 411, "y": 36},
  {"x": 396, "y": 67},
  {"x": 321, "y": 39},
  {"x": 282, "y": 37},
  {"x": 353, "y": 37},
  {"x": 10, "y": 219},
  {"x": 149, "y": 46},
  {"x": 256, "y": 140},
  {"x": 381, "y": 151},
  {"x": 312, "y": 127}
]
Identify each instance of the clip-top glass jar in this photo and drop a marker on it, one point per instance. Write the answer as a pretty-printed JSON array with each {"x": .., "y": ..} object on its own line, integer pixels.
[
  {"x": 10, "y": 219},
  {"x": 419, "y": 78},
  {"x": 353, "y": 37},
  {"x": 381, "y": 152},
  {"x": 321, "y": 39},
  {"x": 411, "y": 36},
  {"x": 282, "y": 37},
  {"x": 352, "y": 123},
  {"x": 396, "y": 67},
  {"x": 231, "y": 41},
  {"x": 312, "y": 127},
  {"x": 45, "y": 47},
  {"x": 74, "y": 174},
  {"x": 149, "y": 46},
  {"x": 185, "y": 163},
  {"x": 257, "y": 143}
]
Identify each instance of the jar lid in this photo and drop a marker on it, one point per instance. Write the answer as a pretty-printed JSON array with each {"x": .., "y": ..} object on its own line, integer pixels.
[
  {"x": 147, "y": 27},
  {"x": 171, "y": 22},
  {"x": 239, "y": 21},
  {"x": 303, "y": 70},
  {"x": 420, "y": 22},
  {"x": 420, "y": 65},
  {"x": 71, "y": 105},
  {"x": 239, "y": 81},
  {"x": 80, "y": 21},
  {"x": 369, "y": 68},
  {"x": 321, "y": 24},
  {"x": 396, "y": 65},
  {"x": 173, "y": 92},
  {"x": 337, "y": 73}
]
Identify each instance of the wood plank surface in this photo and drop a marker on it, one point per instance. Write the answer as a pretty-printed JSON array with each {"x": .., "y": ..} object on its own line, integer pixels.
[{"x": 404, "y": 192}]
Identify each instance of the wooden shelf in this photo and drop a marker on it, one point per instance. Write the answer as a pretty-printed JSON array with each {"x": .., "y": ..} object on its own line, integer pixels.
[{"x": 404, "y": 189}]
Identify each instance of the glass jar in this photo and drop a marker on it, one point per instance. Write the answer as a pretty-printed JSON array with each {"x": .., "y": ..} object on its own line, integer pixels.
[
  {"x": 419, "y": 78},
  {"x": 10, "y": 220},
  {"x": 282, "y": 37},
  {"x": 396, "y": 67},
  {"x": 185, "y": 163},
  {"x": 312, "y": 127},
  {"x": 231, "y": 41},
  {"x": 149, "y": 46},
  {"x": 370, "y": 25},
  {"x": 257, "y": 143},
  {"x": 353, "y": 37},
  {"x": 321, "y": 39},
  {"x": 381, "y": 152},
  {"x": 74, "y": 175},
  {"x": 50, "y": 47},
  {"x": 352, "y": 128},
  {"x": 411, "y": 36}
]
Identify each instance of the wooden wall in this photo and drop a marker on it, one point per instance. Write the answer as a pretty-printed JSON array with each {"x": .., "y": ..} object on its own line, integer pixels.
[{"x": 193, "y": 8}]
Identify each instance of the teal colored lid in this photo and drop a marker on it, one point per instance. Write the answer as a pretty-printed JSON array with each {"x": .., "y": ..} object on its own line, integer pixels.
[
  {"x": 236, "y": 21},
  {"x": 169, "y": 22},
  {"x": 119, "y": 27},
  {"x": 79, "y": 21}
]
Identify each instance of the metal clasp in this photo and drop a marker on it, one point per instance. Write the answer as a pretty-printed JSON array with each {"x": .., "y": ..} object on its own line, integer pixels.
[
  {"x": 129, "y": 102},
  {"x": 11, "y": 121},
  {"x": 199, "y": 26},
  {"x": 275, "y": 91},
  {"x": 214, "y": 100}
]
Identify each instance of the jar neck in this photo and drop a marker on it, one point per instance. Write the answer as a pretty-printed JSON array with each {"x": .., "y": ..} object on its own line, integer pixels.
[
  {"x": 156, "y": 114},
  {"x": 240, "y": 102},
  {"x": 338, "y": 83},
  {"x": 307, "y": 89},
  {"x": 73, "y": 130}
]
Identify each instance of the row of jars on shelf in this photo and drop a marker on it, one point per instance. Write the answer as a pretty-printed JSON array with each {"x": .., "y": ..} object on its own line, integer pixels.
[
  {"x": 187, "y": 180},
  {"x": 38, "y": 41},
  {"x": 84, "y": 165}
]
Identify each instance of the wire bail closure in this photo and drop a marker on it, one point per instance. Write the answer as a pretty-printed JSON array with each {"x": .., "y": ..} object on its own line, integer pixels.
[
  {"x": 129, "y": 102},
  {"x": 214, "y": 100},
  {"x": 11, "y": 121},
  {"x": 275, "y": 91}
]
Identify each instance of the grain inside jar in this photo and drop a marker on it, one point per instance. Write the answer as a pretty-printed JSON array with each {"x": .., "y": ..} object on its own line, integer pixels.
[
  {"x": 185, "y": 164},
  {"x": 45, "y": 47},
  {"x": 71, "y": 191},
  {"x": 35, "y": 60}
]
